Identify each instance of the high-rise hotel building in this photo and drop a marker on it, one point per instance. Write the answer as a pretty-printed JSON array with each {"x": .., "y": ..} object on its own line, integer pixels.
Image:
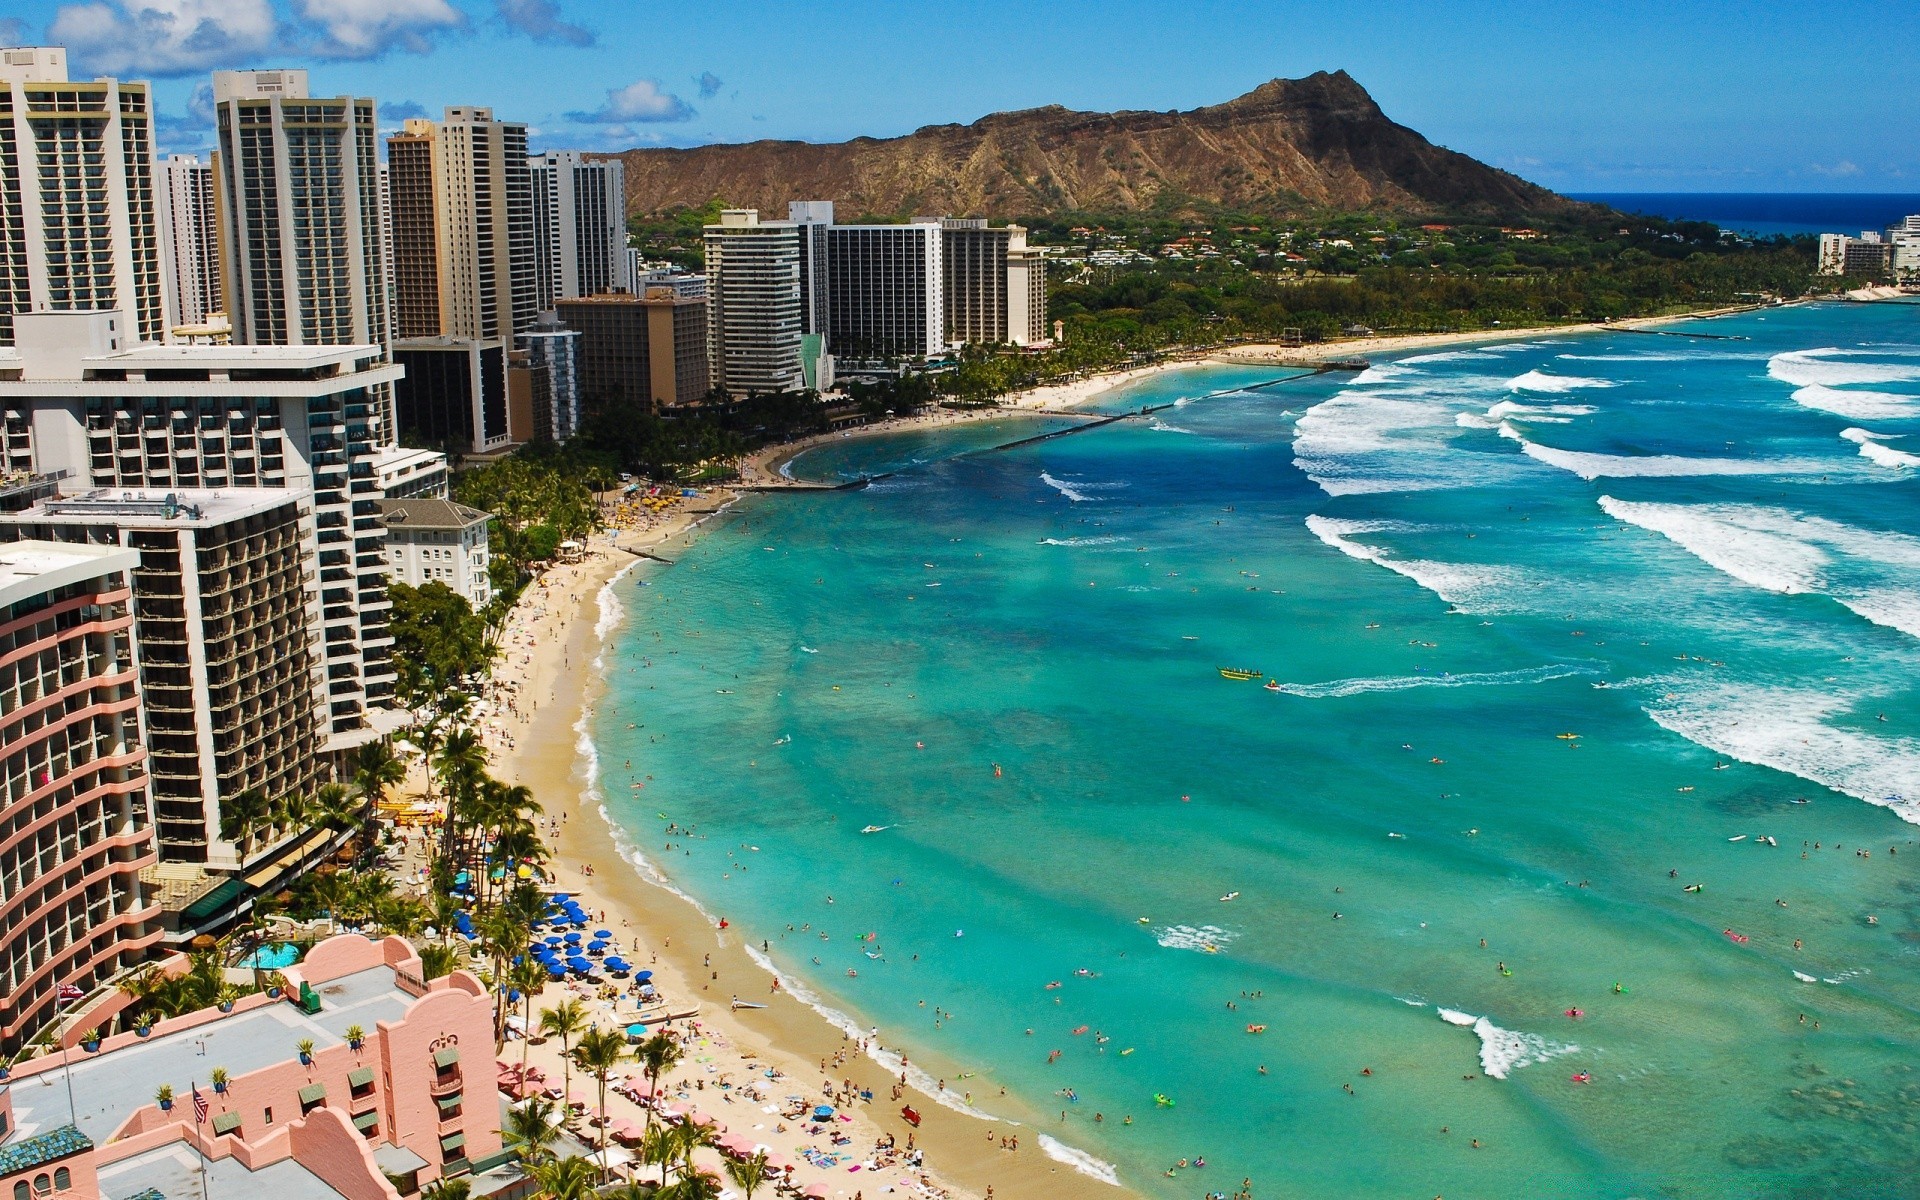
[
  {"x": 462, "y": 211},
  {"x": 884, "y": 288},
  {"x": 299, "y": 197},
  {"x": 79, "y": 228},
  {"x": 189, "y": 220},
  {"x": 754, "y": 304},
  {"x": 996, "y": 284},
  {"x": 74, "y": 825},
  {"x": 182, "y": 418},
  {"x": 579, "y": 227}
]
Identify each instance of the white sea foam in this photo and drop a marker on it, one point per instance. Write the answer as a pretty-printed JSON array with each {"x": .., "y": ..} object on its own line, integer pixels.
[
  {"x": 1339, "y": 688},
  {"x": 1508, "y": 408},
  {"x": 1884, "y": 456},
  {"x": 1453, "y": 356},
  {"x": 1822, "y": 375},
  {"x": 1502, "y": 1050},
  {"x": 1079, "y": 541},
  {"x": 1590, "y": 466},
  {"x": 1079, "y": 1160},
  {"x": 1790, "y": 730},
  {"x": 1471, "y": 587},
  {"x": 1469, "y": 420},
  {"x": 612, "y": 611},
  {"x": 1876, "y": 574},
  {"x": 1159, "y": 426},
  {"x": 1540, "y": 381},
  {"x": 1194, "y": 937},
  {"x": 1395, "y": 439},
  {"x": 1078, "y": 490}
]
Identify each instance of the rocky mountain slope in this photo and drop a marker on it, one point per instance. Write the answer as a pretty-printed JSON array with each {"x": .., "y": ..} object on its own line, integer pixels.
[{"x": 1288, "y": 145}]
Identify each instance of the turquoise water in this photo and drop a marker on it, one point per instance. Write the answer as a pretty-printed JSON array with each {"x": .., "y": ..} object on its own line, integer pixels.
[{"x": 1686, "y": 552}]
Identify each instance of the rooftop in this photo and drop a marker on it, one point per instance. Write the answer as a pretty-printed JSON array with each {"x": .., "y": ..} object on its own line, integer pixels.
[
  {"x": 428, "y": 513},
  {"x": 30, "y": 568},
  {"x": 109, "y": 1088},
  {"x": 152, "y": 509},
  {"x": 173, "y": 1171}
]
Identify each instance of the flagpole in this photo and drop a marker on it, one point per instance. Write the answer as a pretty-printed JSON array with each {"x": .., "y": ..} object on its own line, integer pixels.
[{"x": 199, "y": 1118}]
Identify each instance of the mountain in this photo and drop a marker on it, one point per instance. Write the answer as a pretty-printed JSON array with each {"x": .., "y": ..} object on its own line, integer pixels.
[{"x": 1288, "y": 145}]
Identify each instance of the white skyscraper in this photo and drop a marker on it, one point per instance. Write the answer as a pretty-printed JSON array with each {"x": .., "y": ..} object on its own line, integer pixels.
[
  {"x": 187, "y": 214},
  {"x": 754, "y": 308},
  {"x": 298, "y": 179},
  {"x": 580, "y": 226},
  {"x": 78, "y": 223}
]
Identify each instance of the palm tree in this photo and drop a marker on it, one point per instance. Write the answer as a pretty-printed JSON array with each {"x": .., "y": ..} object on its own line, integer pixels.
[
  {"x": 242, "y": 816},
  {"x": 693, "y": 1184},
  {"x": 599, "y": 1052},
  {"x": 659, "y": 1148},
  {"x": 452, "y": 1189},
  {"x": 375, "y": 769},
  {"x": 749, "y": 1174},
  {"x": 565, "y": 1178},
  {"x": 527, "y": 977},
  {"x": 563, "y": 1022},
  {"x": 658, "y": 1055},
  {"x": 504, "y": 936},
  {"x": 532, "y": 1127}
]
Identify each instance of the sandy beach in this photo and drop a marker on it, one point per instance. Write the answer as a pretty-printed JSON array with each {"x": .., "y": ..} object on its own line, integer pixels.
[
  {"x": 546, "y": 670},
  {"x": 544, "y": 682}
]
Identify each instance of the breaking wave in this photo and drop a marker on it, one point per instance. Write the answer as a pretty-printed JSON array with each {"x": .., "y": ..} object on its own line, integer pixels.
[
  {"x": 1540, "y": 381},
  {"x": 1471, "y": 587},
  {"x": 1884, "y": 456},
  {"x": 1338, "y": 688},
  {"x": 1873, "y": 573},
  {"x": 1590, "y": 466},
  {"x": 1502, "y": 1050}
]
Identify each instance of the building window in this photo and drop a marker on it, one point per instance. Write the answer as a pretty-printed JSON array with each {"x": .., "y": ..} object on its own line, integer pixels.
[
  {"x": 21, "y": 1191},
  {"x": 41, "y": 1184},
  {"x": 62, "y": 1178}
]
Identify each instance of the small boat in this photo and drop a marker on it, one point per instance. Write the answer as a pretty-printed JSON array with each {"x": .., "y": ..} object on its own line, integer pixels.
[
  {"x": 1567, "y": 737},
  {"x": 1238, "y": 673},
  {"x": 1229, "y": 896},
  {"x": 747, "y": 1004},
  {"x": 876, "y": 829},
  {"x": 1738, "y": 838},
  {"x": 1273, "y": 685}
]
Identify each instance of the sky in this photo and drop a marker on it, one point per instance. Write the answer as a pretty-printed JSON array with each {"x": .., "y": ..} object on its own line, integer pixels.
[{"x": 1627, "y": 95}]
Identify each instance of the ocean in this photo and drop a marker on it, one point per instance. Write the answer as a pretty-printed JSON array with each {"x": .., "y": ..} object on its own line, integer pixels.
[
  {"x": 1769, "y": 213},
  {"x": 1569, "y": 854}
]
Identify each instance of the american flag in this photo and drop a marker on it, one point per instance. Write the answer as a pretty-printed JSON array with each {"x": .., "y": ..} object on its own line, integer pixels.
[{"x": 199, "y": 1106}]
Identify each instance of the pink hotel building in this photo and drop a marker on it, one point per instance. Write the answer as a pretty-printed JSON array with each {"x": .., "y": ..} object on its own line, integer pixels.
[{"x": 414, "y": 1101}]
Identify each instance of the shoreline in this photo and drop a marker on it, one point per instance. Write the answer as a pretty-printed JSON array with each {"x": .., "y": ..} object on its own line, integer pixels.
[
  {"x": 765, "y": 469},
  {"x": 547, "y": 749}
]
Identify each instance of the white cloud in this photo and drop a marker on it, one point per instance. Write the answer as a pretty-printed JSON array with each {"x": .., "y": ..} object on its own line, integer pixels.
[
  {"x": 371, "y": 28},
  {"x": 643, "y": 101},
  {"x": 540, "y": 20},
  {"x": 1837, "y": 170},
  {"x": 162, "y": 37}
]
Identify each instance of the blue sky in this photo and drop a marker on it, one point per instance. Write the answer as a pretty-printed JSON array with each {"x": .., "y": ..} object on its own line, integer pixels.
[{"x": 1619, "y": 96}]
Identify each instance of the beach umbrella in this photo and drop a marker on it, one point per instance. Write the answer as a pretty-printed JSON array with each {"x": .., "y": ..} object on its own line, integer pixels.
[
  {"x": 553, "y": 939},
  {"x": 636, "y": 1032},
  {"x": 599, "y": 944},
  {"x": 560, "y": 897},
  {"x": 643, "y": 976},
  {"x": 579, "y": 964},
  {"x": 556, "y": 971},
  {"x": 823, "y": 1112},
  {"x": 573, "y": 939},
  {"x": 603, "y": 933}
]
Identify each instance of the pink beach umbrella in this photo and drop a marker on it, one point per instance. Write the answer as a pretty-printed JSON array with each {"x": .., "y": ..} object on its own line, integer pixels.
[{"x": 815, "y": 1191}]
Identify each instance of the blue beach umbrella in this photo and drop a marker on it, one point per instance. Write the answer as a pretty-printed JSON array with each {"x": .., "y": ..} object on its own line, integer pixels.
[
  {"x": 636, "y": 1032},
  {"x": 603, "y": 933},
  {"x": 556, "y": 971},
  {"x": 643, "y": 975},
  {"x": 579, "y": 964}
]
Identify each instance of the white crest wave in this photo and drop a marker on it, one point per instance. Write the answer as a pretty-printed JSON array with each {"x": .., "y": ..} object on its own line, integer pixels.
[
  {"x": 1503, "y": 1051},
  {"x": 1540, "y": 381},
  {"x": 1471, "y": 587},
  {"x": 1879, "y": 455}
]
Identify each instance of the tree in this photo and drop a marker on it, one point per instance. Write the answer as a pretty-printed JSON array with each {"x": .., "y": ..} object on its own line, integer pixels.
[
  {"x": 657, "y": 1055},
  {"x": 452, "y": 1189},
  {"x": 242, "y": 816},
  {"x": 749, "y": 1174},
  {"x": 532, "y": 1127},
  {"x": 375, "y": 769},
  {"x": 438, "y": 642},
  {"x": 599, "y": 1052},
  {"x": 563, "y": 1021},
  {"x": 437, "y": 960},
  {"x": 527, "y": 977},
  {"x": 693, "y": 1184},
  {"x": 565, "y": 1178}
]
